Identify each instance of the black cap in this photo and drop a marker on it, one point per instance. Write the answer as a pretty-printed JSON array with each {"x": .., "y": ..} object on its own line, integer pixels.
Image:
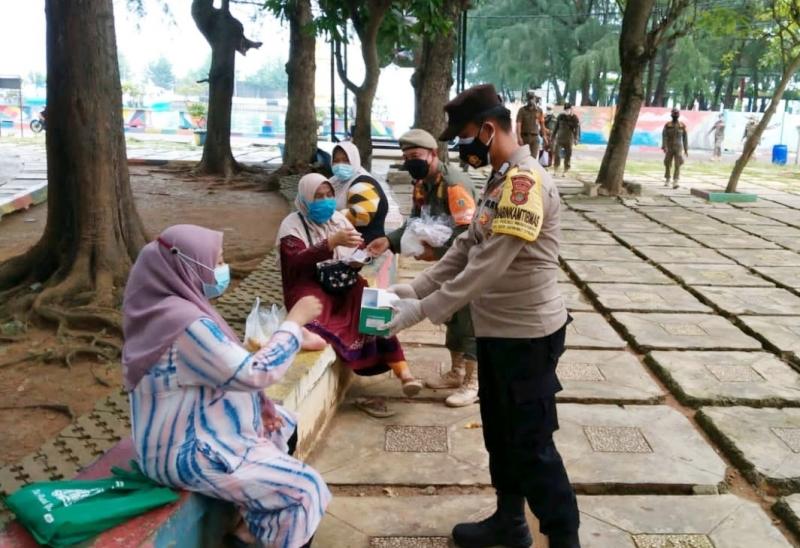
[{"x": 468, "y": 106}]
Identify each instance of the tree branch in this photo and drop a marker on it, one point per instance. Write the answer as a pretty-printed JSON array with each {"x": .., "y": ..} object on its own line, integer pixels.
[{"x": 340, "y": 68}]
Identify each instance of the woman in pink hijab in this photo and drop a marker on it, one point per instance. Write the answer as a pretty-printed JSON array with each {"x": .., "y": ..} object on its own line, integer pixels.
[{"x": 197, "y": 395}]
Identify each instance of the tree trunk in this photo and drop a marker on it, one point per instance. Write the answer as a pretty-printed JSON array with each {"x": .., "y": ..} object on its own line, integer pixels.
[
  {"x": 433, "y": 76},
  {"x": 365, "y": 93},
  {"x": 93, "y": 232},
  {"x": 586, "y": 94},
  {"x": 651, "y": 76},
  {"x": 660, "y": 98},
  {"x": 752, "y": 141},
  {"x": 633, "y": 58},
  {"x": 559, "y": 94},
  {"x": 301, "y": 115},
  {"x": 729, "y": 99},
  {"x": 717, "y": 92},
  {"x": 225, "y": 34}
]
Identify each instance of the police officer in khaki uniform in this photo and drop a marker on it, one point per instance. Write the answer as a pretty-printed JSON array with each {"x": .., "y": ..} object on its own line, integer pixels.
[
  {"x": 505, "y": 267},
  {"x": 441, "y": 190},
  {"x": 530, "y": 123},
  {"x": 675, "y": 144},
  {"x": 568, "y": 133}
]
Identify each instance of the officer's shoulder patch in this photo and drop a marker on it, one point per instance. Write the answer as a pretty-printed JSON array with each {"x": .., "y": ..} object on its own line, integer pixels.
[{"x": 520, "y": 210}]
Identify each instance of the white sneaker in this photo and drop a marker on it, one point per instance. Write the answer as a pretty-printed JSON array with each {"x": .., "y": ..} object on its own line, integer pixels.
[
  {"x": 675, "y": 184},
  {"x": 666, "y": 183},
  {"x": 468, "y": 393}
]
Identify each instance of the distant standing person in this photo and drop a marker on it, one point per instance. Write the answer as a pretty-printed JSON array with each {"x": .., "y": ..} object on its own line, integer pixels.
[
  {"x": 718, "y": 129},
  {"x": 530, "y": 123},
  {"x": 567, "y": 134},
  {"x": 675, "y": 144},
  {"x": 750, "y": 129}
]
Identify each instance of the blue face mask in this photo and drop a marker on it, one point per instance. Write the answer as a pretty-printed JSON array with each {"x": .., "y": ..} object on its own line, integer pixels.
[
  {"x": 222, "y": 277},
  {"x": 343, "y": 171},
  {"x": 321, "y": 211}
]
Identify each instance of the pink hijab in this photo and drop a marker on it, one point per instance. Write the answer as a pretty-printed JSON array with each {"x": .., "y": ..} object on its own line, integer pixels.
[{"x": 164, "y": 295}]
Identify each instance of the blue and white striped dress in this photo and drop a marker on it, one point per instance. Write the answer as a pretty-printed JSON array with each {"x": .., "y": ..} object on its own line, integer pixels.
[{"x": 197, "y": 425}]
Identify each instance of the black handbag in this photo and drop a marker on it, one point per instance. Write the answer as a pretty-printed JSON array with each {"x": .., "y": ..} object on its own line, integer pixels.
[{"x": 334, "y": 276}]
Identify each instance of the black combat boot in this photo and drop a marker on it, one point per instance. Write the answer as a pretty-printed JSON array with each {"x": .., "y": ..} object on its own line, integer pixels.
[
  {"x": 506, "y": 527},
  {"x": 564, "y": 541}
]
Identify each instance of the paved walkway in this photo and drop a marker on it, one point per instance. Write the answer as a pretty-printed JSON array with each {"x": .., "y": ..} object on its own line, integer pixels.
[{"x": 680, "y": 369}]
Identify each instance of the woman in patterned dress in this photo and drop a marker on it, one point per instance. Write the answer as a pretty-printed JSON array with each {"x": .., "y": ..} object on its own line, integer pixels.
[{"x": 200, "y": 419}]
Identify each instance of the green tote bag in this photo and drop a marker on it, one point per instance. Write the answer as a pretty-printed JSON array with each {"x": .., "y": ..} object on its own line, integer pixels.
[{"x": 62, "y": 513}]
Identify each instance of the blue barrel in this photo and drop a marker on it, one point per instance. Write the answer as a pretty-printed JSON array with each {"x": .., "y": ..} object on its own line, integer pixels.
[{"x": 780, "y": 153}]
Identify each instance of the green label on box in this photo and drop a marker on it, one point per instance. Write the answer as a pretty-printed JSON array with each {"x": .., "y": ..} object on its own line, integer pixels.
[{"x": 372, "y": 320}]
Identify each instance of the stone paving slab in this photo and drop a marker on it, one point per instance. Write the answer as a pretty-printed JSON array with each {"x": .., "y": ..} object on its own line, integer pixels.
[
  {"x": 637, "y": 227},
  {"x": 572, "y": 252},
  {"x": 611, "y": 447},
  {"x": 789, "y": 242},
  {"x": 646, "y": 298},
  {"x": 785, "y": 275},
  {"x": 728, "y": 378},
  {"x": 782, "y": 332},
  {"x": 692, "y": 228},
  {"x": 763, "y": 443},
  {"x": 591, "y": 330},
  {"x": 684, "y": 332},
  {"x": 574, "y": 298},
  {"x": 715, "y": 274},
  {"x": 424, "y": 332},
  {"x": 788, "y": 508},
  {"x": 353, "y": 452},
  {"x": 637, "y": 521},
  {"x": 577, "y": 225},
  {"x": 603, "y": 376},
  {"x": 739, "y": 218},
  {"x": 734, "y": 241},
  {"x": 640, "y": 521},
  {"x": 425, "y": 362},
  {"x": 587, "y": 238},
  {"x": 765, "y": 257},
  {"x": 656, "y": 239},
  {"x": 683, "y": 255},
  {"x": 753, "y": 300},
  {"x": 611, "y": 272},
  {"x": 775, "y": 230},
  {"x": 783, "y": 214}
]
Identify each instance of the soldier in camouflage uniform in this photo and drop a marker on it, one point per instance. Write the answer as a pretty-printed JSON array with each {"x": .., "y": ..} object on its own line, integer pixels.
[
  {"x": 530, "y": 124},
  {"x": 441, "y": 190},
  {"x": 675, "y": 144}
]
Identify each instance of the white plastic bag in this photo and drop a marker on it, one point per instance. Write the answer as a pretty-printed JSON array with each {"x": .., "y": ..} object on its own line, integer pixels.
[
  {"x": 261, "y": 324},
  {"x": 433, "y": 231}
]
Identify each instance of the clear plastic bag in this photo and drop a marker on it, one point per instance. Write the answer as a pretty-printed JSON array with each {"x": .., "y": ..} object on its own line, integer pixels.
[
  {"x": 433, "y": 231},
  {"x": 260, "y": 325}
]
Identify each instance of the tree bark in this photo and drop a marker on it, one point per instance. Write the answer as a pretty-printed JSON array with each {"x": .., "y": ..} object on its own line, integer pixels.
[
  {"x": 93, "y": 231},
  {"x": 433, "y": 76},
  {"x": 717, "y": 92},
  {"x": 651, "y": 76},
  {"x": 634, "y": 55},
  {"x": 729, "y": 98},
  {"x": 752, "y": 141},
  {"x": 665, "y": 64},
  {"x": 225, "y": 34},
  {"x": 367, "y": 28},
  {"x": 301, "y": 115}
]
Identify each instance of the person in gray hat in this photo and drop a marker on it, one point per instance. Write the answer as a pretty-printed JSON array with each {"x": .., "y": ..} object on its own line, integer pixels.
[
  {"x": 505, "y": 266},
  {"x": 530, "y": 123},
  {"x": 675, "y": 144},
  {"x": 441, "y": 190}
]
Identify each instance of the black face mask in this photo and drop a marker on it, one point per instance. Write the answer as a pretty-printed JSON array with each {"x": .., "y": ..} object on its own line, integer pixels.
[
  {"x": 675, "y": 118},
  {"x": 417, "y": 168},
  {"x": 475, "y": 153}
]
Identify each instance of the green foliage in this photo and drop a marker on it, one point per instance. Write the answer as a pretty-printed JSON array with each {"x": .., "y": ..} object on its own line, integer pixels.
[
  {"x": 197, "y": 110},
  {"x": 271, "y": 76},
  {"x": 160, "y": 73}
]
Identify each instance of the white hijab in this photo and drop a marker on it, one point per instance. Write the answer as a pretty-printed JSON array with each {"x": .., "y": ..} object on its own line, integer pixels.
[{"x": 340, "y": 186}]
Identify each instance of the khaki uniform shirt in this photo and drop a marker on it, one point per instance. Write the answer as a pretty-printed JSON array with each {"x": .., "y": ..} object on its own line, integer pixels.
[
  {"x": 530, "y": 118},
  {"x": 674, "y": 138},
  {"x": 568, "y": 128},
  {"x": 506, "y": 264},
  {"x": 447, "y": 192}
]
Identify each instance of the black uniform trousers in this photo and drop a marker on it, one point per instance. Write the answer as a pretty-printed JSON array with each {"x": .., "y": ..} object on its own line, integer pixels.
[{"x": 517, "y": 387}]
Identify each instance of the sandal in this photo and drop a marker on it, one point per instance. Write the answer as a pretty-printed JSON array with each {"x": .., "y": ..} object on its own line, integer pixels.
[
  {"x": 374, "y": 407},
  {"x": 412, "y": 387}
]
